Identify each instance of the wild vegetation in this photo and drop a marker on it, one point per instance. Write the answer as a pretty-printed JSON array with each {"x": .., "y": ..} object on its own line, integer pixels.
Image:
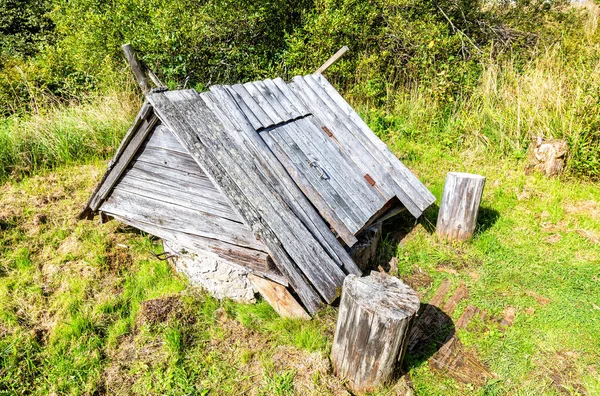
[{"x": 448, "y": 85}]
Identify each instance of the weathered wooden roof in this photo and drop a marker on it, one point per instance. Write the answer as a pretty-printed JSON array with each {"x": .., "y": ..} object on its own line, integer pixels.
[{"x": 294, "y": 161}]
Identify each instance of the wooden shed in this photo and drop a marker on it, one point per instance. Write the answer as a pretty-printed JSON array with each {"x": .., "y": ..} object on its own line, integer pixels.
[{"x": 278, "y": 177}]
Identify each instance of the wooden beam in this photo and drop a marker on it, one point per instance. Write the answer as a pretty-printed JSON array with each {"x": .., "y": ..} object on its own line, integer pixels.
[
  {"x": 137, "y": 68},
  {"x": 279, "y": 298},
  {"x": 332, "y": 60}
]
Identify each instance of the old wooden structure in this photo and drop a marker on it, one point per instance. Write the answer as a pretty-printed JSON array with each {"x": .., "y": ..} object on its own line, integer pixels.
[
  {"x": 373, "y": 327},
  {"x": 280, "y": 178}
]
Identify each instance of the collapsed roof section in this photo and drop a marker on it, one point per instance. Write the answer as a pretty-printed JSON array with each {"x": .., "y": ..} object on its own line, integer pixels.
[{"x": 260, "y": 173}]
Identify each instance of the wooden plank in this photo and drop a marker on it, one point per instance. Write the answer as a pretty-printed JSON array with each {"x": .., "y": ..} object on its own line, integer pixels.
[
  {"x": 286, "y": 114},
  {"x": 145, "y": 112},
  {"x": 365, "y": 196},
  {"x": 255, "y": 260},
  {"x": 291, "y": 96},
  {"x": 177, "y": 178},
  {"x": 266, "y": 177},
  {"x": 286, "y": 188},
  {"x": 136, "y": 67},
  {"x": 125, "y": 203},
  {"x": 279, "y": 298},
  {"x": 282, "y": 99},
  {"x": 351, "y": 216},
  {"x": 121, "y": 163},
  {"x": 397, "y": 177},
  {"x": 209, "y": 155},
  {"x": 177, "y": 196},
  {"x": 332, "y": 60},
  {"x": 169, "y": 159},
  {"x": 317, "y": 199},
  {"x": 419, "y": 188},
  {"x": 263, "y": 103},
  {"x": 362, "y": 157},
  {"x": 161, "y": 137},
  {"x": 459, "y": 294},
  {"x": 256, "y": 124},
  {"x": 254, "y": 107}
]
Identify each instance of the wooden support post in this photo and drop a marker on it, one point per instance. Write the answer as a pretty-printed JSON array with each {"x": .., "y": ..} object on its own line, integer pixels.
[
  {"x": 457, "y": 217},
  {"x": 376, "y": 314},
  {"x": 332, "y": 60},
  {"x": 279, "y": 298},
  {"x": 136, "y": 67}
]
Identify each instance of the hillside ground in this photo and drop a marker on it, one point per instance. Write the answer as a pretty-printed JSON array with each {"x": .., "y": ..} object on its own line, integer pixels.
[{"x": 86, "y": 309}]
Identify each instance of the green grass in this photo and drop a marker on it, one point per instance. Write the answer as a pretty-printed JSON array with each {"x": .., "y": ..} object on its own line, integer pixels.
[{"x": 72, "y": 316}]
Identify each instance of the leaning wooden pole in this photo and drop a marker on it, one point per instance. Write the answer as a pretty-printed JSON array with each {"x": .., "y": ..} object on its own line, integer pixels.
[
  {"x": 374, "y": 321},
  {"x": 136, "y": 67},
  {"x": 457, "y": 217},
  {"x": 332, "y": 60}
]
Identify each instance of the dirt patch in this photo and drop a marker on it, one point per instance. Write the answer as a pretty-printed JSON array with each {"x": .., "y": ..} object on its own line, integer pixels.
[
  {"x": 588, "y": 208},
  {"x": 160, "y": 310},
  {"x": 313, "y": 371},
  {"x": 418, "y": 281},
  {"x": 118, "y": 259},
  {"x": 560, "y": 369}
]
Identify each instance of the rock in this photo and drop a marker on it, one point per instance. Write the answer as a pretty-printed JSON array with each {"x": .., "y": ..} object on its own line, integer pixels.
[
  {"x": 547, "y": 156},
  {"x": 221, "y": 278}
]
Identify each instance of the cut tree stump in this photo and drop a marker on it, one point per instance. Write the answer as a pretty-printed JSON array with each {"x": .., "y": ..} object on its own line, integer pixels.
[
  {"x": 457, "y": 217},
  {"x": 374, "y": 321}
]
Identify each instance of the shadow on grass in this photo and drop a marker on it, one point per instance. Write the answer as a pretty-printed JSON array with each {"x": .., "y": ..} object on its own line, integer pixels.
[
  {"x": 428, "y": 334},
  {"x": 486, "y": 218}
]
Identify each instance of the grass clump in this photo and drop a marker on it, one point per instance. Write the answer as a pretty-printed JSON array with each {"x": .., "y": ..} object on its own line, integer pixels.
[{"x": 62, "y": 134}]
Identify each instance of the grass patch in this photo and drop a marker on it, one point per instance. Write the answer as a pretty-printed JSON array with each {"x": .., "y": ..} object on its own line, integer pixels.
[{"x": 62, "y": 134}]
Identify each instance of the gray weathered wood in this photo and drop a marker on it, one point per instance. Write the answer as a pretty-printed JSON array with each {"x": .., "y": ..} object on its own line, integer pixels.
[
  {"x": 457, "y": 217},
  {"x": 332, "y": 60},
  {"x": 291, "y": 96},
  {"x": 263, "y": 102},
  {"x": 255, "y": 260},
  {"x": 204, "y": 136},
  {"x": 253, "y": 106},
  {"x": 374, "y": 321},
  {"x": 303, "y": 182},
  {"x": 128, "y": 201},
  {"x": 278, "y": 185},
  {"x": 284, "y": 185},
  {"x": 136, "y": 67},
  {"x": 122, "y": 160},
  {"x": 414, "y": 186}
]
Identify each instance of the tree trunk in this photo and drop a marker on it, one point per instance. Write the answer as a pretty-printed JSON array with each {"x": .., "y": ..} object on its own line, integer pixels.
[
  {"x": 457, "y": 218},
  {"x": 375, "y": 317}
]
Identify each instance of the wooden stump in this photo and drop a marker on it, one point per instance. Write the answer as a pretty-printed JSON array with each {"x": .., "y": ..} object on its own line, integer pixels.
[
  {"x": 374, "y": 321},
  {"x": 460, "y": 203}
]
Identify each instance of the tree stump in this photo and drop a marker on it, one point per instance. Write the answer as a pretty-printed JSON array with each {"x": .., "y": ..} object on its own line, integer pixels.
[
  {"x": 374, "y": 321},
  {"x": 457, "y": 217}
]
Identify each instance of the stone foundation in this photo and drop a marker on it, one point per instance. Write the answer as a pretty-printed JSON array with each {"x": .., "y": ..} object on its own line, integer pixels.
[{"x": 221, "y": 278}]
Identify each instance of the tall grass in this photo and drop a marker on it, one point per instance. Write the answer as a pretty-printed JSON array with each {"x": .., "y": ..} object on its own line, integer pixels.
[
  {"x": 63, "y": 134},
  {"x": 555, "y": 95}
]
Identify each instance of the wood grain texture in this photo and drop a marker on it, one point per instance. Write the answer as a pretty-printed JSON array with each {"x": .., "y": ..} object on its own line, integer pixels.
[
  {"x": 457, "y": 218},
  {"x": 279, "y": 298},
  {"x": 137, "y": 68},
  {"x": 374, "y": 321},
  {"x": 207, "y": 140},
  {"x": 414, "y": 189}
]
